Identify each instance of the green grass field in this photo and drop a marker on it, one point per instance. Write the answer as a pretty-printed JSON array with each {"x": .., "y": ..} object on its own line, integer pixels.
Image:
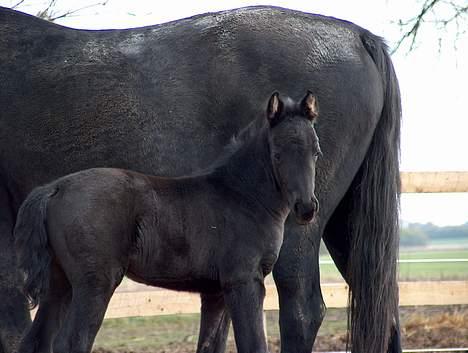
[
  {"x": 417, "y": 271},
  {"x": 137, "y": 333}
]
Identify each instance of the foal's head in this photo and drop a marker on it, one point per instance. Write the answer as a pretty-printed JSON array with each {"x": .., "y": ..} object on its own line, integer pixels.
[{"x": 295, "y": 148}]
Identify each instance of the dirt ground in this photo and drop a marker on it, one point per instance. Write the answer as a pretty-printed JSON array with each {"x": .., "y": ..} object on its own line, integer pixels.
[{"x": 422, "y": 327}]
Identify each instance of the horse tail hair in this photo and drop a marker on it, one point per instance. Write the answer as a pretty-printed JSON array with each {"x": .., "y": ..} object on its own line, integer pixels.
[
  {"x": 374, "y": 223},
  {"x": 32, "y": 245}
]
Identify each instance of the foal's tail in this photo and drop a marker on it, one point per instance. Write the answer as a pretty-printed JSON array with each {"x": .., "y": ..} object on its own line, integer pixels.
[
  {"x": 374, "y": 224},
  {"x": 31, "y": 243}
]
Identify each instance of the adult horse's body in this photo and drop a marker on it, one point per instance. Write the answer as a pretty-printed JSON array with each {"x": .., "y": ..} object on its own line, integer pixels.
[{"x": 73, "y": 99}]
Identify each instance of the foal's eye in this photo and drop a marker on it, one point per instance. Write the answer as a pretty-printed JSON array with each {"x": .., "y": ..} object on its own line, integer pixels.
[{"x": 276, "y": 156}]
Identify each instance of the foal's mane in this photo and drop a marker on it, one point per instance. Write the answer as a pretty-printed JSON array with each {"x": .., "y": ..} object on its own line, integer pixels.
[
  {"x": 236, "y": 142},
  {"x": 247, "y": 134}
]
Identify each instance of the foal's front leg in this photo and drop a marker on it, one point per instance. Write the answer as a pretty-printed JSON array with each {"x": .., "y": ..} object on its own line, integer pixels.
[
  {"x": 214, "y": 324},
  {"x": 244, "y": 301}
]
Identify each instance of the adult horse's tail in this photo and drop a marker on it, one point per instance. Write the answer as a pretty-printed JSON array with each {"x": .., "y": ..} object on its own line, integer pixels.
[
  {"x": 374, "y": 224},
  {"x": 31, "y": 242}
]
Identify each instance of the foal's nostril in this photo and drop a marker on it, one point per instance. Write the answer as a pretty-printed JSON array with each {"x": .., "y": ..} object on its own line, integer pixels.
[
  {"x": 296, "y": 208},
  {"x": 305, "y": 212},
  {"x": 316, "y": 204},
  {"x": 309, "y": 215}
]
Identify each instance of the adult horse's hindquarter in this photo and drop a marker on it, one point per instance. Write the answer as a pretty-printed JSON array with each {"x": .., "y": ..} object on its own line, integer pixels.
[{"x": 74, "y": 99}]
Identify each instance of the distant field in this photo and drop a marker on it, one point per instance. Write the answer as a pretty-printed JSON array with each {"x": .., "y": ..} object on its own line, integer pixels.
[
  {"x": 448, "y": 242},
  {"x": 416, "y": 271}
]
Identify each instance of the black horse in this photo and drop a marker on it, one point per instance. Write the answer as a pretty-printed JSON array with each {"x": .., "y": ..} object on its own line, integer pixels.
[
  {"x": 218, "y": 232},
  {"x": 164, "y": 99}
]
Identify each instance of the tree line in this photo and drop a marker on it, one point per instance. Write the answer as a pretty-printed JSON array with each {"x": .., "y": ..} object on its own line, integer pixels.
[{"x": 417, "y": 234}]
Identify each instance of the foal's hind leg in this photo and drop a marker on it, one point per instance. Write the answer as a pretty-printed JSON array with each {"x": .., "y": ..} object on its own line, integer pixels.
[
  {"x": 90, "y": 298},
  {"x": 214, "y": 324},
  {"x": 52, "y": 310}
]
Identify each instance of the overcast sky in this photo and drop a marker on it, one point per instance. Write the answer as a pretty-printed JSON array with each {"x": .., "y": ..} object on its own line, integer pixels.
[{"x": 433, "y": 84}]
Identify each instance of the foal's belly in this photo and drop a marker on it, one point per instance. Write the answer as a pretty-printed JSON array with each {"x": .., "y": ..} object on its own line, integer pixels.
[
  {"x": 163, "y": 267},
  {"x": 189, "y": 284}
]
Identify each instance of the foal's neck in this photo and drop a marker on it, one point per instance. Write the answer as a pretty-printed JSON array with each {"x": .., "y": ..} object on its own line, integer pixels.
[{"x": 249, "y": 172}]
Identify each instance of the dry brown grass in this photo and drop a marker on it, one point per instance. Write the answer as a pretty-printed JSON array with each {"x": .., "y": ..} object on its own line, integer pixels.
[{"x": 442, "y": 330}]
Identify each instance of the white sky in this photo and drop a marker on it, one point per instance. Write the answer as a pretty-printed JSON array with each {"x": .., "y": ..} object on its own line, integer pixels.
[{"x": 433, "y": 84}]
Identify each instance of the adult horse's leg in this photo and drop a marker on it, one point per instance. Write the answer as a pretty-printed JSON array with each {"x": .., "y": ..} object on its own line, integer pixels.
[
  {"x": 297, "y": 279},
  {"x": 14, "y": 314},
  {"x": 214, "y": 324},
  {"x": 244, "y": 301},
  {"x": 50, "y": 315}
]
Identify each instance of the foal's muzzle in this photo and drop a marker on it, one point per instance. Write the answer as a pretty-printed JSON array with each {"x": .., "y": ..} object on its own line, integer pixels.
[{"x": 305, "y": 211}]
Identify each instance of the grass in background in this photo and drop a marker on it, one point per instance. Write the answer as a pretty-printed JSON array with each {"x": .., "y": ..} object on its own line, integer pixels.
[
  {"x": 416, "y": 271},
  {"x": 434, "y": 254},
  {"x": 140, "y": 333}
]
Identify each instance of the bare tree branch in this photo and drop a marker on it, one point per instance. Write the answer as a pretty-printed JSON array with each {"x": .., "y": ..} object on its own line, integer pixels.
[
  {"x": 71, "y": 12},
  {"x": 448, "y": 16},
  {"x": 45, "y": 13},
  {"x": 49, "y": 13},
  {"x": 17, "y": 4}
]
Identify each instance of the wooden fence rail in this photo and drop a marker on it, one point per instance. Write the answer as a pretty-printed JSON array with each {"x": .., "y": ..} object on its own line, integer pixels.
[
  {"x": 166, "y": 302},
  {"x": 424, "y": 182}
]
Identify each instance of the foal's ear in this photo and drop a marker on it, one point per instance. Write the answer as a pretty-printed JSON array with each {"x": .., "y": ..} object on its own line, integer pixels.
[
  {"x": 274, "y": 109},
  {"x": 309, "y": 106}
]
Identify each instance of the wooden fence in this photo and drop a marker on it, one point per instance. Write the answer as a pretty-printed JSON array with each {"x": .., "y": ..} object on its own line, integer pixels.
[
  {"x": 430, "y": 182},
  {"x": 147, "y": 301},
  {"x": 335, "y": 295}
]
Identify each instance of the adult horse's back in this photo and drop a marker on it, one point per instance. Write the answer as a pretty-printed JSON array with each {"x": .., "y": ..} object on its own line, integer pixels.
[{"x": 74, "y": 99}]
